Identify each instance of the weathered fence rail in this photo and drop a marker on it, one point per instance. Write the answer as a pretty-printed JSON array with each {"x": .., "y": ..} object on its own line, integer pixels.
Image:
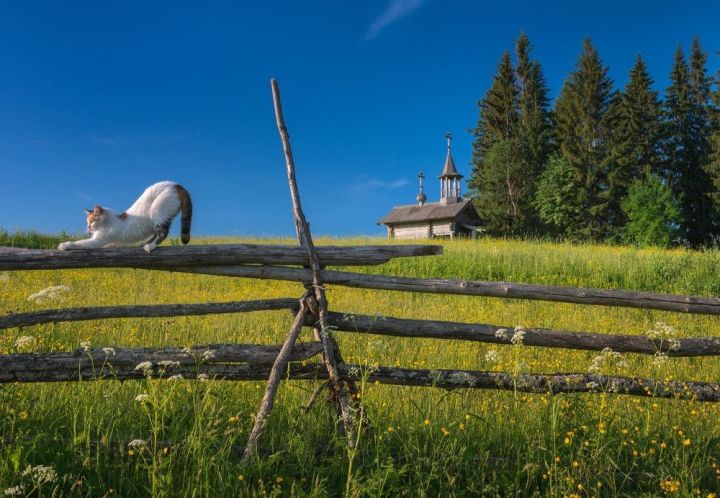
[
  {"x": 282, "y": 262},
  {"x": 220, "y": 254},
  {"x": 389, "y": 326},
  {"x": 505, "y": 290},
  {"x": 123, "y": 363},
  {"x": 142, "y": 311}
]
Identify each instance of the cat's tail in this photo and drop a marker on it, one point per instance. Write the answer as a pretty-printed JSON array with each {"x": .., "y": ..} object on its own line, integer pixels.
[{"x": 186, "y": 209}]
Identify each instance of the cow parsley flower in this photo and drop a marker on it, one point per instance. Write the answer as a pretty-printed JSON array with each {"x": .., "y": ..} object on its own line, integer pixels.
[
  {"x": 15, "y": 491},
  {"x": 48, "y": 294},
  {"x": 501, "y": 334},
  {"x": 23, "y": 340},
  {"x": 145, "y": 366}
]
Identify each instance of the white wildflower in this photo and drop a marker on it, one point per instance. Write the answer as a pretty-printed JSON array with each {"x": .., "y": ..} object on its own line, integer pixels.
[
  {"x": 176, "y": 377},
  {"x": 661, "y": 330},
  {"x": 501, "y": 334},
  {"x": 354, "y": 372},
  {"x": 41, "y": 474},
  {"x": 145, "y": 366},
  {"x": 108, "y": 351},
  {"x": 208, "y": 355},
  {"x": 492, "y": 356},
  {"x": 15, "y": 491},
  {"x": 23, "y": 340},
  {"x": 49, "y": 294},
  {"x": 659, "y": 359},
  {"x": 203, "y": 377},
  {"x": 607, "y": 357},
  {"x": 518, "y": 336},
  {"x": 137, "y": 444},
  {"x": 674, "y": 344},
  {"x": 186, "y": 351},
  {"x": 614, "y": 386},
  {"x": 591, "y": 385},
  {"x": 168, "y": 363},
  {"x": 141, "y": 398},
  {"x": 85, "y": 345}
]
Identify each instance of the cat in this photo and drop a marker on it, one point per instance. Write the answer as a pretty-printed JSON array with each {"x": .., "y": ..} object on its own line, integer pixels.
[{"x": 150, "y": 216}]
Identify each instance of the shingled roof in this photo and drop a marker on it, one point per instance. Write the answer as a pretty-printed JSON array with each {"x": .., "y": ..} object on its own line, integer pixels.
[
  {"x": 450, "y": 170},
  {"x": 427, "y": 212}
]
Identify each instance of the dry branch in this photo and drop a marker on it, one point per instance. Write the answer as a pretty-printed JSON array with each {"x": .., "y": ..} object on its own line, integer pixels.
[
  {"x": 220, "y": 254},
  {"x": 600, "y": 297},
  {"x": 481, "y": 332},
  {"x": 145, "y": 311},
  {"x": 331, "y": 352},
  {"x": 276, "y": 373},
  {"x": 121, "y": 363}
]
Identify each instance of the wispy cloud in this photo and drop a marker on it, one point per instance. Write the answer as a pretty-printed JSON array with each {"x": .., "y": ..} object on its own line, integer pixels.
[
  {"x": 366, "y": 183},
  {"x": 396, "y": 10}
]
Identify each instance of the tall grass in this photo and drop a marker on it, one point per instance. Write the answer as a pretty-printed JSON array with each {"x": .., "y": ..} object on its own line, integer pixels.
[{"x": 422, "y": 441}]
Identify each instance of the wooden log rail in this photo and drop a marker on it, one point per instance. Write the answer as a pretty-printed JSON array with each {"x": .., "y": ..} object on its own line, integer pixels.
[
  {"x": 600, "y": 297},
  {"x": 142, "y": 311},
  {"x": 136, "y": 363},
  {"x": 397, "y": 327},
  {"x": 61, "y": 367},
  {"x": 220, "y": 254},
  {"x": 481, "y": 332}
]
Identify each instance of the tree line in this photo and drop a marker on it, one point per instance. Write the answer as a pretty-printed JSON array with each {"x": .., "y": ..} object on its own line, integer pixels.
[{"x": 600, "y": 164}]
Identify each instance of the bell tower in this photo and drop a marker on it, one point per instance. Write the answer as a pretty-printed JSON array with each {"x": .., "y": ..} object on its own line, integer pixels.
[{"x": 450, "y": 178}]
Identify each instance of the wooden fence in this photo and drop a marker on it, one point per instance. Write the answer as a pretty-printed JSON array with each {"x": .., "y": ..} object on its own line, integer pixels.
[{"x": 307, "y": 264}]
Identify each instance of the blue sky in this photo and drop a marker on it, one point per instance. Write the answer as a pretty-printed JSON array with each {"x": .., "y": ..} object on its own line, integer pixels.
[{"x": 100, "y": 99}]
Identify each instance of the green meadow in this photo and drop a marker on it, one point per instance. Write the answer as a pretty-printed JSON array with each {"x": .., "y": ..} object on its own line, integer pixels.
[{"x": 71, "y": 439}]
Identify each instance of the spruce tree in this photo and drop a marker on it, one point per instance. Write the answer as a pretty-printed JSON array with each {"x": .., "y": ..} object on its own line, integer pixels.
[
  {"x": 634, "y": 126},
  {"x": 712, "y": 168},
  {"x": 688, "y": 130},
  {"x": 534, "y": 128},
  {"x": 498, "y": 111},
  {"x": 581, "y": 134},
  {"x": 497, "y": 123}
]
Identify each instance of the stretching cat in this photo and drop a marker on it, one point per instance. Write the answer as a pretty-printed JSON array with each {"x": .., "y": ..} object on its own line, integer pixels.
[{"x": 150, "y": 216}]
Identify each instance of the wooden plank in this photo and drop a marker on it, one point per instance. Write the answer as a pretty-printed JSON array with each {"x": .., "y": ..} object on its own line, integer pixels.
[
  {"x": 220, "y": 254},
  {"x": 144, "y": 311},
  {"x": 599, "y": 297},
  {"x": 481, "y": 332},
  {"x": 122, "y": 363}
]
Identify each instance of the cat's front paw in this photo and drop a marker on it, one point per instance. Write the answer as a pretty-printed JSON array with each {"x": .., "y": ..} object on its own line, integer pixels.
[
  {"x": 65, "y": 246},
  {"x": 150, "y": 246}
]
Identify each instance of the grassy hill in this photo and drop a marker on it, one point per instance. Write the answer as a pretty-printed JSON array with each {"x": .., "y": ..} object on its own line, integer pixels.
[{"x": 422, "y": 441}]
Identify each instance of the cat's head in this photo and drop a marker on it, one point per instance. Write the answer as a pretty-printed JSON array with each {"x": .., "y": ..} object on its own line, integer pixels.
[{"x": 95, "y": 218}]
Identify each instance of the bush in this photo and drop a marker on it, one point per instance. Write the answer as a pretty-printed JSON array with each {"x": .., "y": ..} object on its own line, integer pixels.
[{"x": 652, "y": 212}]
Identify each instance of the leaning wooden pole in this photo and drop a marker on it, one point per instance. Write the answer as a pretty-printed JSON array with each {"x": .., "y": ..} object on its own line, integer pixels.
[
  {"x": 276, "y": 374},
  {"x": 331, "y": 353}
]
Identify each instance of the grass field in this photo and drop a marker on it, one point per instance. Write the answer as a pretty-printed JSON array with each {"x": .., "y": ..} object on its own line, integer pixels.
[{"x": 422, "y": 441}]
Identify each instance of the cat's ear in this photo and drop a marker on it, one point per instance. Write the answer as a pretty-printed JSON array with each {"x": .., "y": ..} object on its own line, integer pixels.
[
  {"x": 98, "y": 209},
  {"x": 87, "y": 211}
]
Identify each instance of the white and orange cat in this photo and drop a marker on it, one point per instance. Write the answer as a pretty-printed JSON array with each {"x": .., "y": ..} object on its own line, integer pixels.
[{"x": 149, "y": 217}]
